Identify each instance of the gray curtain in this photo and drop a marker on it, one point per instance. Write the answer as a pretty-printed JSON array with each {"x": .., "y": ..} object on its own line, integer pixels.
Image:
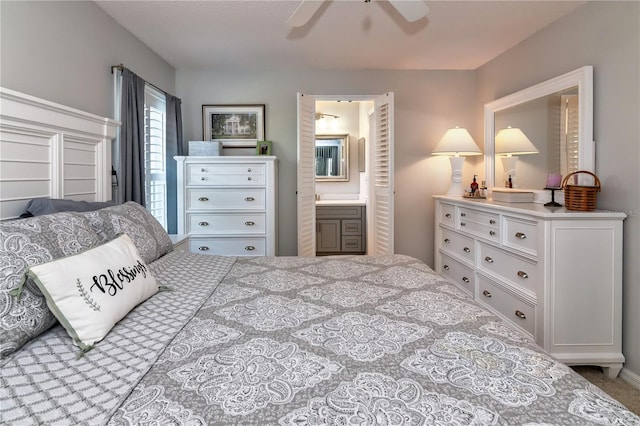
[
  {"x": 174, "y": 147},
  {"x": 131, "y": 179},
  {"x": 323, "y": 154}
]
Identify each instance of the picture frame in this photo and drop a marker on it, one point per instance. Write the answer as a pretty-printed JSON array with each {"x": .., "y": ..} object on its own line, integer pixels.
[
  {"x": 264, "y": 148},
  {"x": 240, "y": 126}
]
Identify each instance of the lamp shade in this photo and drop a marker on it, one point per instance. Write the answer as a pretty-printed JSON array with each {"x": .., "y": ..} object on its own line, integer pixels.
[
  {"x": 513, "y": 141},
  {"x": 456, "y": 142}
]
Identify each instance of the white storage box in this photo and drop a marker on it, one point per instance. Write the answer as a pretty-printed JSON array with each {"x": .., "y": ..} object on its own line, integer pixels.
[
  {"x": 205, "y": 148},
  {"x": 512, "y": 196}
]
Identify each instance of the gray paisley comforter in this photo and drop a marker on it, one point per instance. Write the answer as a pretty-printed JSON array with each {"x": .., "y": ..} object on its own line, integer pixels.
[{"x": 348, "y": 340}]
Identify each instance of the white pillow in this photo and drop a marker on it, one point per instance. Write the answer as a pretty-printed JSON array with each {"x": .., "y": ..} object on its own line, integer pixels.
[{"x": 91, "y": 291}]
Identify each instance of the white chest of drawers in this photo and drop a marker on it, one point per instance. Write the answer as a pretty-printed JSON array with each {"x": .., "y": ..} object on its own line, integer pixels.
[
  {"x": 227, "y": 205},
  {"x": 556, "y": 275}
]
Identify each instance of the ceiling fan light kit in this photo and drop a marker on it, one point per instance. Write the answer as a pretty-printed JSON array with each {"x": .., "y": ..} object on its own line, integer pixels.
[{"x": 411, "y": 10}]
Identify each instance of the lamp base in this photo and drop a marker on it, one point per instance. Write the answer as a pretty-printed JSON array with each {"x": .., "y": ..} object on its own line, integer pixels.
[
  {"x": 455, "y": 188},
  {"x": 509, "y": 167}
]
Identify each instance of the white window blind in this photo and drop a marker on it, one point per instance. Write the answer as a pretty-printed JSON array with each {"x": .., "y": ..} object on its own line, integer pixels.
[
  {"x": 155, "y": 153},
  {"x": 569, "y": 159}
]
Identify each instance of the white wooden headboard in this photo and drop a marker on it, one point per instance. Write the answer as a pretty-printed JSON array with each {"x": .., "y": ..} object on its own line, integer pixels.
[{"x": 48, "y": 150}]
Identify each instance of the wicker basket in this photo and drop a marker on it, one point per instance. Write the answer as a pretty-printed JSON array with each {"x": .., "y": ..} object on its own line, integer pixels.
[{"x": 579, "y": 197}]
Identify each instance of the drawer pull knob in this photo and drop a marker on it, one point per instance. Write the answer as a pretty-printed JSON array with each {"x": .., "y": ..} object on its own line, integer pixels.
[
  {"x": 203, "y": 223},
  {"x": 203, "y": 199},
  {"x": 521, "y": 315},
  {"x": 249, "y": 169},
  {"x": 488, "y": 259},
  {"x": 463, "y": 214},
  {"x": 249, "y": 199},
  {"x": 522, "y": 274},
  {"x": 521, "y": 235},
  {"x": 465, "y": 279},
  {"x": 446, "y": 240},
  {"x": 467, "y": 250},
  {"x": 203, "y": 170},
  {"x": 463, "y": 224},
  {"x": 203, "y": 178},
  {"x": 249, "y": 178},
  {"x": 445, "y": 267},
  {"x": 249, "y": 248},
  {"x": 448, "y": 215},
  {"x": 486, "y": 293},
  {"x": 203, "y": 248},
  {"x": 492, "y": 222},
  {"x": 492, "y": 233},
  {"x": 249, "y": 223}
]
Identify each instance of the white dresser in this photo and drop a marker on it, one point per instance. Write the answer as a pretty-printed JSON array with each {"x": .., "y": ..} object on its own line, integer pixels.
[
  {"x": 557, "y": 275},
  {"x": 227, "y": 205}
]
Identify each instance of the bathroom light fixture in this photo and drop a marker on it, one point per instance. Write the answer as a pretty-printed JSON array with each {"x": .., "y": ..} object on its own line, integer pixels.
[
  {"x": 320, "y": 115},
  {"x": 456, "y": 143},
  {"x": 512, "y": 141}
]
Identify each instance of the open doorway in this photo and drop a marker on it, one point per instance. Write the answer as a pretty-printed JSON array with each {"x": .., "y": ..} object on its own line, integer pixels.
[{"x": 345, "y": 174}]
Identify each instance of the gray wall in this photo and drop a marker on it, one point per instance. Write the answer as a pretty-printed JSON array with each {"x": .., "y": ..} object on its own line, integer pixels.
[
  {"x": 63, "y": 51},
  {"x": 607, "y": 36},
  {"x": 426, "y": 104}
]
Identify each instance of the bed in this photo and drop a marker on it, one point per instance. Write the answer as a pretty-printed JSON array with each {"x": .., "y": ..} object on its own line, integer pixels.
[{"x": 335, "y": 340}]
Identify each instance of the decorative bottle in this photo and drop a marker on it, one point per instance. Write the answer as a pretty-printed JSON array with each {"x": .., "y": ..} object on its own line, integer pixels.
[{"x": 474, "y": 186}]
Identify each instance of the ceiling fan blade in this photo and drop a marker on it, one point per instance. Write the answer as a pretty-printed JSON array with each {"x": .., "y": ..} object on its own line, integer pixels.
[
  {"x": 304, "y": 12},
  {"x": 411, "y": 10}
]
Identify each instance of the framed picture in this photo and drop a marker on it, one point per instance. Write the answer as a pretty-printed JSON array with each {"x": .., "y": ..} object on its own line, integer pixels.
[
  {"x": 264, "y": 148},
  {"x": 233, "y": 125}
]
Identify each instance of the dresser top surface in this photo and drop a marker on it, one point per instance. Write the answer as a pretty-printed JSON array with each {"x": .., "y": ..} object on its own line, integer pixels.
[
  {"x": 225, "y": 158},
  {"x": 533, "y": 209}
]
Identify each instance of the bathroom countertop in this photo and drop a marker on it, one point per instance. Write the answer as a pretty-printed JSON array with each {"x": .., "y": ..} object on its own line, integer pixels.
[{"x": 340, "y": 203}]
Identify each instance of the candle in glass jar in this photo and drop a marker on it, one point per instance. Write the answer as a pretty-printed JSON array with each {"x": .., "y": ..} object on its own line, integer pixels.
[{"x": 554, "y": 180}]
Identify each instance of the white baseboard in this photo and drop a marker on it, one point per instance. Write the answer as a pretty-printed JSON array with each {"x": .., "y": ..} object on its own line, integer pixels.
[{"x": 630, "y": 377}]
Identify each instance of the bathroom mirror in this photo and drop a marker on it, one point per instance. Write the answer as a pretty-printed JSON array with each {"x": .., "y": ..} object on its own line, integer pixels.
[
  {"x": 332, "y": 157},
  {"x": 557, "y": 118}
]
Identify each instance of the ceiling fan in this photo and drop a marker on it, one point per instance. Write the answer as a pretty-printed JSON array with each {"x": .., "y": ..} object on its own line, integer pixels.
[{"x": 411, "y": 10}]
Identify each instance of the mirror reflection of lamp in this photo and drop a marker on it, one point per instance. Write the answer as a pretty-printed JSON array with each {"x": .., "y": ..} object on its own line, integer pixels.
[
  {"x": 509, "y": 142},
  {"x": 456, "y": 143}
]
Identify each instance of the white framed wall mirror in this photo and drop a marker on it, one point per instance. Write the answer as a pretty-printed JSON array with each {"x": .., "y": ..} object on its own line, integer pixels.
[
  {"x": 556, "y": 117},
  {"x": 332, "y": 157}
]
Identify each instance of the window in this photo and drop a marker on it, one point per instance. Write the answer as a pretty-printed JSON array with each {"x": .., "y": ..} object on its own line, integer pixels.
[{"x": 155, "y": 153}]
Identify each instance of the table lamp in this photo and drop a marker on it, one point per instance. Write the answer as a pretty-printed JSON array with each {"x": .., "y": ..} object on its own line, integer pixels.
[
  {"x": 456, "y": 143},
  {"x": 509, "y": 142}
]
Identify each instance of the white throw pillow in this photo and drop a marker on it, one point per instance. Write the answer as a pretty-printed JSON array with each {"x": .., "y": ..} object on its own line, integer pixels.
[{"x": 91, "y": 291}]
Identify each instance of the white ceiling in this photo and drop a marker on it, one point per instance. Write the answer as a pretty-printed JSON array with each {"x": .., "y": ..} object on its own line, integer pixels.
[{"x": 346, "y": 34}]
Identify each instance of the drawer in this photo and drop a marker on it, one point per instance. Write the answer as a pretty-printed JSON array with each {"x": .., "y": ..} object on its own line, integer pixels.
[
  {"x": 448, "y": 212},
  {"x": 482, "y": 224},
  {"x": 338, "y": 212},
  {"x": 351, "y": 227},
  {"x": 512, "y": 268},
  {"x": 458, "y": 273},
  {"x": 226, "y": 174},
  {"x": 482, "y": 218},
  {"x": 241, "y": 223},
  {"x": 521, "y": 234},
  {"x": 351, "y": 244},
  {"x": 516, "y": 311},
  {"x": 228, "y": 246},
  {"x": 458, "y": 244},
  {"x": 226, "y": 199}
]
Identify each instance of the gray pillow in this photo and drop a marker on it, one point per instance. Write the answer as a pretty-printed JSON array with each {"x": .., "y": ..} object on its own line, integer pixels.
[
  {"x": 42, "y": 206},
  {"x": 28, "y": 242},
  {"x": 130, "y": 218}
]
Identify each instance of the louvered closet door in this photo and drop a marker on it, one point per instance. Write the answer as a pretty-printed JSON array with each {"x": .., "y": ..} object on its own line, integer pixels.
[
  {"x": 382, "y": 181},
  {"x": 306, "y": 176}
]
